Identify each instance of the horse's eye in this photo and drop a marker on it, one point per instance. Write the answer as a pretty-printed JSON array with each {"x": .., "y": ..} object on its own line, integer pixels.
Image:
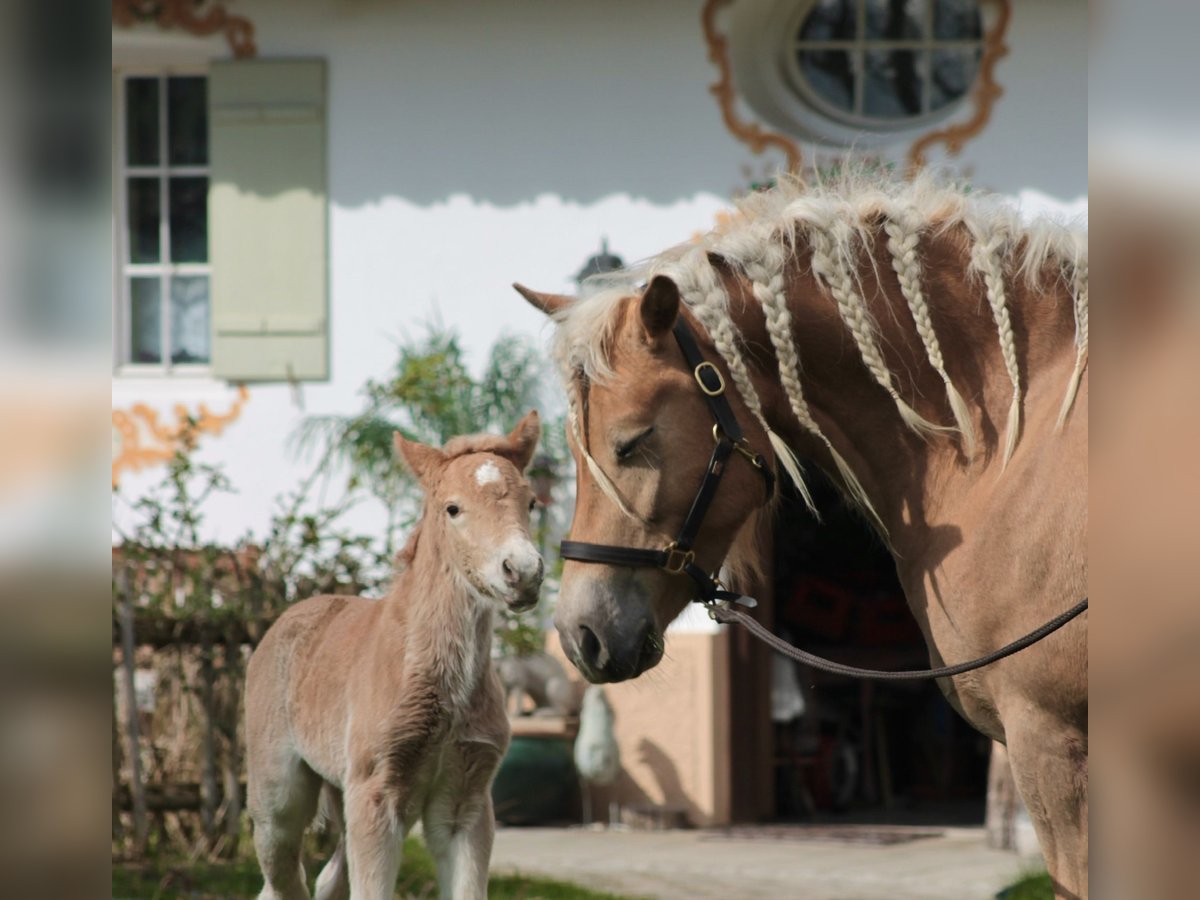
[
  {"x": 452, "y": 510},
  {"x": 625, "y": 450}
]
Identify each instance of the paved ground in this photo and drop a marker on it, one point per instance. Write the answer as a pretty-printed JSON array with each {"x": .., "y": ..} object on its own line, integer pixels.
[{"x": 692, "y": 865}]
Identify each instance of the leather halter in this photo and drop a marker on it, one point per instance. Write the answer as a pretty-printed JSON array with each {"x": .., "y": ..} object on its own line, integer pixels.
[{"x": 678, "y": 557}]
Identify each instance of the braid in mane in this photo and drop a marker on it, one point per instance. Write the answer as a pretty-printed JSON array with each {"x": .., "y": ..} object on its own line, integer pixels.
[
  {"x": 699, "y": 280},
  {"x": 986, "y": 258},
  {"x": 833, "y": 262},
  {"x": 903, "y": 229},
  {"x": 766, "y": 274},
  {"x": 1081, "y": 338}
]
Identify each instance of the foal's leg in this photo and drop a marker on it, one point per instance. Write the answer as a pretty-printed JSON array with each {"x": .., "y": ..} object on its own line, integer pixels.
[
  {"x": 282, "y": 801},
  {"x": 460, "y": 824},
  {"x": 459, "y": 835},
  {"x": 374, "y": 839},
  {"x": 1050, "y": 767}
]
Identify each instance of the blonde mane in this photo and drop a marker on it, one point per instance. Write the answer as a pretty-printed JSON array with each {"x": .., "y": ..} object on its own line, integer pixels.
[{"x": 838, "y": 221}]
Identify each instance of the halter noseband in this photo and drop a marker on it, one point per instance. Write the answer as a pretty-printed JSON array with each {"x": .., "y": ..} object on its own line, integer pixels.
[{"x": 678, "y": 557}]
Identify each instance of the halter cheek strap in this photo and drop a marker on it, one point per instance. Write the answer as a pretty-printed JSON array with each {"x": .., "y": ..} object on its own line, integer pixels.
[{"x": 678, "y": 557}]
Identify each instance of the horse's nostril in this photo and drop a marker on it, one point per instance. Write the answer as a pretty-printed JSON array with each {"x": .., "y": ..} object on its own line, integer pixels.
[
  {"x": 589, "y": 648},
  {"x": 510, "y": 574}
]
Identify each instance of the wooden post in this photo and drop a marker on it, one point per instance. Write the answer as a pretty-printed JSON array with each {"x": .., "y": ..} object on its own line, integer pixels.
[
  {"x": 209, "y": 790},
  {"x": 752, "y": 751},
  {"x": 1001, "y": 801},
  {"x": 231, "y": 761},
  {"x": 118, "y": 829},
  {"x": 137, "y": 788}
]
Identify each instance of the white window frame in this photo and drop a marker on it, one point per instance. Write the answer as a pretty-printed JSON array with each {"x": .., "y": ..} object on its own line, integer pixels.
[{"x": 123, "y": 269}]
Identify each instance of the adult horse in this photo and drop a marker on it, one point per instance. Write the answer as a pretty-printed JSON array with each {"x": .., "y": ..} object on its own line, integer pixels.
[{"x": 924, "y": 347}]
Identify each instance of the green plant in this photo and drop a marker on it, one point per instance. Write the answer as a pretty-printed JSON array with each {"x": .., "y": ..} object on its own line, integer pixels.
[
  {"x": 429, "y": 395},
  {"x": 1032, "y": 886},
  {"x": 166, "y": 565}
]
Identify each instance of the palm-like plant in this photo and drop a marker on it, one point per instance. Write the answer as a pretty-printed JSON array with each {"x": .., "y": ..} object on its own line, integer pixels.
[{"x": 430, "y": 395}]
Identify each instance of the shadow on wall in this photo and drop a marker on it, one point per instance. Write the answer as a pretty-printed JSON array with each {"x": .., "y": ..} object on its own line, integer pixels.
[
  {"x": 667, "y": 790},
  {"x": 506, "y": 102}
]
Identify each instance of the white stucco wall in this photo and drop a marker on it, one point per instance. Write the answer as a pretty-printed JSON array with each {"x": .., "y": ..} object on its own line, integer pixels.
[{"x": 473, "y": 144}]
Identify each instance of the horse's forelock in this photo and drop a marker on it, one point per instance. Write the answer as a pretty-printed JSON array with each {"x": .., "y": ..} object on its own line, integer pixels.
[{"x": 586, "y": 333}]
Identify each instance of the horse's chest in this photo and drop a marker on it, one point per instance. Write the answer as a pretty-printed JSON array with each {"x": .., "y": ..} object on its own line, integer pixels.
[
  {"x": 424, "y": 742},
  {"x": 453, "y": 763}
]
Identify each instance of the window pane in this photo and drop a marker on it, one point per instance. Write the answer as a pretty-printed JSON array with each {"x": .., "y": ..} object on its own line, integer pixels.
[
  {"x": 189, "y": 319},
  {"x": 189, "y": 219},
  {"x": 830, "y": 74},
  {"x": 145, "y": 320},
  {"x": 141, "y": 121},
  {"x": 143, "y": 220},
  {"x": 893, "y": 84},
  {"x": 896, "y": 20},
  {"x": 187, "y": 121},
  {"x": 831, "y": 20},
  {"x": 953, "y": 74},
  {"x": 957, "y": 20}
]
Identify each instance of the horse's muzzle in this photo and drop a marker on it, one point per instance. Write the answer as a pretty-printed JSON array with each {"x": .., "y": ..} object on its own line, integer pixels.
[{"x": 615, "y": 655}]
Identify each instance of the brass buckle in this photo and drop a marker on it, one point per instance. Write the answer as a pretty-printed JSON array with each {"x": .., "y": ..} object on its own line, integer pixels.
[
  {"x": 677, "y": 559},
  {"x": 720, "y": 379},
  {"x": 741, "y": 447}
]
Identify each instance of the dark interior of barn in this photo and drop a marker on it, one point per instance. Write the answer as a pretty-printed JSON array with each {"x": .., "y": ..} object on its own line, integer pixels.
[{"x": 849, "y": 750}]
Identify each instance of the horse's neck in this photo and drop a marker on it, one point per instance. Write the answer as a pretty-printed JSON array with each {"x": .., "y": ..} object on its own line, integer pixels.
[
  {"x": 445, "y": 624},
  {"x": 899, "y": 470}
]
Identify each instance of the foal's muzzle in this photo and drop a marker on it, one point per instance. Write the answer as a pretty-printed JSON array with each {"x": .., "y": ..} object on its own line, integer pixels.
[{"x": 523, "y": 574}]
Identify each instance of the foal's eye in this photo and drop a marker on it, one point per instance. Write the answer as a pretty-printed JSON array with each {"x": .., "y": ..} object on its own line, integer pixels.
[{"x": 452, "y": 510}]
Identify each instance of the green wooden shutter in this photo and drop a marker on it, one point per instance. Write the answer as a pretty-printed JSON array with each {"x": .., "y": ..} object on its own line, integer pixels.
[{"x": 267, "y": 220}]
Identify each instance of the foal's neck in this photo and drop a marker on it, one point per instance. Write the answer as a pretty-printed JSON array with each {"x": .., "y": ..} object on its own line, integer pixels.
[{"x": 446, "y": 625}]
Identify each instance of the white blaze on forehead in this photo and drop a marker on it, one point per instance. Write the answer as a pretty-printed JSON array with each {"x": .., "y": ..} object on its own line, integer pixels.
[{"x": 487, "y": 473}]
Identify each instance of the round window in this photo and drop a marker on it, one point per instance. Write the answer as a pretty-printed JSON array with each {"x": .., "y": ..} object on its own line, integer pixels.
[
  {"x": 855, "y": 71},
  {"x": 885, "y": 63}
]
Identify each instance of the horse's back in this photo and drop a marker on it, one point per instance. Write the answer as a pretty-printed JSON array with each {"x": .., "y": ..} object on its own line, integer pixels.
[
  {"x": 296, "y": 633},
  {"x": 298, "y": 671}
]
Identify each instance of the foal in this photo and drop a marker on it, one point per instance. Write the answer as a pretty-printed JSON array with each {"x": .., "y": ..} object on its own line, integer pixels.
[{"x": 389, "y": 709}]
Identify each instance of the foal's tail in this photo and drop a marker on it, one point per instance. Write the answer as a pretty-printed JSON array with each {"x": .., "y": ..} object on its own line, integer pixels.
[
  {"x": 334, "y": 881},
  {"x": 329, "y": 810}
]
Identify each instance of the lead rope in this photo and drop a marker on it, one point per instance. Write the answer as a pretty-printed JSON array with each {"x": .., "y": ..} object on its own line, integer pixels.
[{"x": 728, "y": 615}]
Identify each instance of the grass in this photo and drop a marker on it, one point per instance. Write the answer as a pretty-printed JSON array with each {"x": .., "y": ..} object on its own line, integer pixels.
[
  {"x": 1034, "y": 886},
  {"x": 238, "y": 879}
]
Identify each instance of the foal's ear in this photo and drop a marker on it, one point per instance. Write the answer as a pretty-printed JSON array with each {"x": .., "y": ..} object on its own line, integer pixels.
[
  {"x": 421, "y": 459},
  {"x": 523, "y": 440},
  {"x": 550, "y": 304},
  {"x": 659, "y": 306}
]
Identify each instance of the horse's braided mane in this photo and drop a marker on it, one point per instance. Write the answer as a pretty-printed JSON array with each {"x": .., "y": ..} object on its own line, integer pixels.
[{"x": 838, "y": 221}]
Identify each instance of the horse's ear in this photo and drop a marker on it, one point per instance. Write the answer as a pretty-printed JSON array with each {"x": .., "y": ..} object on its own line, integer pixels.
[
  {"x": 550, "y": 304},
  {"x": 659, "y": 306},
  {"x": 422, "y": 460},
  {"x": 523, "y": 440}
]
